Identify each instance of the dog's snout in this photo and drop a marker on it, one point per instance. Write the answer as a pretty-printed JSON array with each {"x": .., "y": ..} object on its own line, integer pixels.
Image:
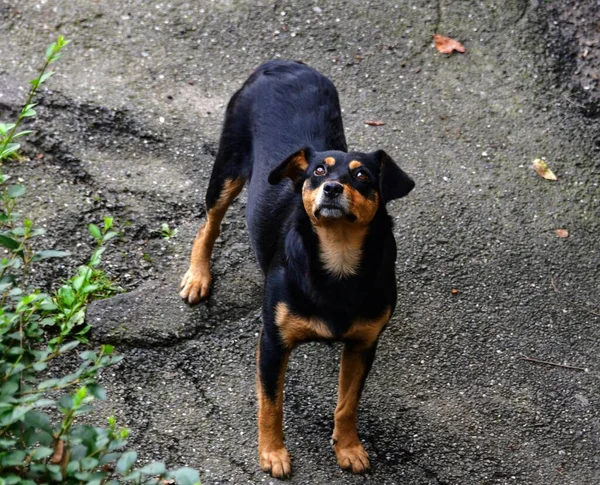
[{"x": 332, "y": 189}]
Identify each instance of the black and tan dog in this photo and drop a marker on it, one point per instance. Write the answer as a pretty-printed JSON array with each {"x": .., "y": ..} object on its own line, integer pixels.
[{"x": 320, "y": 231}]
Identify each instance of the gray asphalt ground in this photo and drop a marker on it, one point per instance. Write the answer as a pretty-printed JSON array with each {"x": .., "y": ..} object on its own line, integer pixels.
[{"x": 129, "y": 126}]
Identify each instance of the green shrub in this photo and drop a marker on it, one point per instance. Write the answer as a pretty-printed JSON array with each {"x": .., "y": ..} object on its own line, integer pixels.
[{"x": 40, "y": 441}]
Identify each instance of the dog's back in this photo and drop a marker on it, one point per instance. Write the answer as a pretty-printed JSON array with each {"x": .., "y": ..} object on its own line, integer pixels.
[{"x": 283, "y": 106}]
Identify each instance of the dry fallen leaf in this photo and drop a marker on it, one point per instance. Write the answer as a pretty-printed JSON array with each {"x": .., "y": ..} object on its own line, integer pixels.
[
  {"x": 374, "y": 123},
  {"x": 446, "y": 45},
  {"x": 562, "y": 233},
  {"x": 543, "y": 170},
  {"x": 454, "y": 291}
]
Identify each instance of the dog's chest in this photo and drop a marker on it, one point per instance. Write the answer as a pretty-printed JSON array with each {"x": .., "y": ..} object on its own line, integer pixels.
[{"x": 295, "y": 329}]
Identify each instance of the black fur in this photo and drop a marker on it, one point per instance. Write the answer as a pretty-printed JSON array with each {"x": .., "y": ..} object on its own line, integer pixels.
[{"x": 284, "y": 111}]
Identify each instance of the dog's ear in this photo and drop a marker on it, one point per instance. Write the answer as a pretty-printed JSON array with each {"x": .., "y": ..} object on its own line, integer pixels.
[
  {"x": 293, "y": 167},
  {"x": 393, "y": 181}
]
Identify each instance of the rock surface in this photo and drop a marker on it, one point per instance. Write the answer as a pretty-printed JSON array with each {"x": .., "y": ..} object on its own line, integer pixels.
[{"x": 129, "y": 125}]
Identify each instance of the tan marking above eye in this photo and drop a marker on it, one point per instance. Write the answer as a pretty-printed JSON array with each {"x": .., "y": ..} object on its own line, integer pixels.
[
  {"x": 354, "y": 165},
  {"x": 329, "y": 161}
]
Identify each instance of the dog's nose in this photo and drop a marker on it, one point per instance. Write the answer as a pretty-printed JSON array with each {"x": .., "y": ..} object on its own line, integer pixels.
[{"x": 332, "y": 189}]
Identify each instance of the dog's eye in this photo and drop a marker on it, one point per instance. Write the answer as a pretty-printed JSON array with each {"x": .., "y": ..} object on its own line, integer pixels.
[
  {"x": 361, "y": 176},
  {"x": 320, "y": 171}
]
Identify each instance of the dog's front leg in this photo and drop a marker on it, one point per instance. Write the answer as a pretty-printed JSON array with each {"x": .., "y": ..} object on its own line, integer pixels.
[
  {"x": 272, "y": 359},
  {"x": 357, "y": 359}
]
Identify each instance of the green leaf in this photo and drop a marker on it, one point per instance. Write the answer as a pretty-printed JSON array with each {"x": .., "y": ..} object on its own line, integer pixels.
[
  {"x": 88, "y": 355},
  {"x": 9, "y": 387},
  {"x": 109, "y": 235},
  {"x": 108, "y": 458},
  {"x": 10, "y": 149},
  {"x": 14, "y": 458},
  {"x": 41, "y": 453},
  {"x": 89, "y": 289},
  {"x": 185, "y": 476},
  {"x": 40, "y": 403},
  {"x": 95, "y": 231},
  {"x": 37, "y": 419},
  {"x": 6, "y": 127},
  {"x": 47, "y": 384},
  {"x": 4, "y": 444},
  {"x": 17, "y": 415},
  {"x": 45, "y": 76},
  {"x": 55, "y": 473},
  {"x": 97, "y": 257},
  {"x": 48, "y": 306},
  {"x": 12, "y": 480},
  {"x": 15, "y": 191},
  {"x": 66, "y": 295},
  {"x": 97, "y": 391},
  {"x": 22, "y": 133},
  {"x": 108, "y": 349},
  {"x": 28, "y": 113},
  {"x": 108, "y": 223},
  {"x": 40, "y": 366},
  {"x": 50, "y": 50},
  {"x": 55, "y": 57},
  {"x": 156, "y": 468},
  {"x": 8, "y": 242},
  {"x": 135, "y": 476},
  {"x": 68, "y": 346},
  {"x": 50, "y": 253},
  {"x": 72, "y": 466},
  {"x": 89, "y": 463},
  {"x": 126, "y": 462}
]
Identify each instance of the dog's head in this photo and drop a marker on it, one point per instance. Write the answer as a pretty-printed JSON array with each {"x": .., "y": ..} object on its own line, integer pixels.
[{"x": 339, "y": 186}]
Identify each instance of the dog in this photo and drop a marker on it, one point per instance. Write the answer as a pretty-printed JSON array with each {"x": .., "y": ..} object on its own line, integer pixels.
[{"x": 319, "y": 228}]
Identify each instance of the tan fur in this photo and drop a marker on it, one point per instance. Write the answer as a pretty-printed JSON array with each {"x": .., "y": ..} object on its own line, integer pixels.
[
  {"x": 363, "y": 208},
  {"x": 329, "y": 161},
  {"x": 348, "y": 449},
  {"x": 340, "y": 247},
  {"x": 196, "y": 281},
  {"x": 354, "y": 165},
  {"x": 340, "y": 241},
  {"x": 296, "y": 167},
  {"x": 295, "y": 329},
  {"x": 367, "y": 331}
]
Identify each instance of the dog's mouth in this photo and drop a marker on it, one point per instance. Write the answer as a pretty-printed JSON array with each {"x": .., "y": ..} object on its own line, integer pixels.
[
  {"x": 329, "y": 212},
  {"x": 333, "y": 211}
]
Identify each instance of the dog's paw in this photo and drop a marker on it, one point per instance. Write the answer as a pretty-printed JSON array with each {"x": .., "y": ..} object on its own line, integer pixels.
[
  {"x": 195, "y": 286},
  {"x": 278, "y": 462},
  {"x": 353, "y": 458}
]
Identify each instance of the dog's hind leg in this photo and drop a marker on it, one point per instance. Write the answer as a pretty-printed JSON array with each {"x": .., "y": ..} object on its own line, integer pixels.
[
  {"x": 230, "y": 171},
  {"x": 195, "y": 285}
]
